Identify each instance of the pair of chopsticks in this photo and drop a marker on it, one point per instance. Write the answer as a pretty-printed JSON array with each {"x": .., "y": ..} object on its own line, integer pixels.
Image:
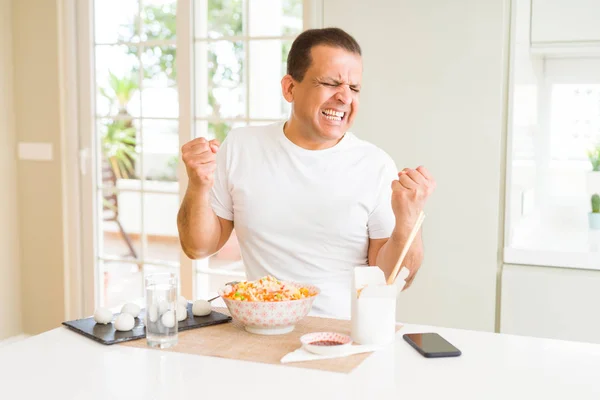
[{"x": 392, "y": 278}]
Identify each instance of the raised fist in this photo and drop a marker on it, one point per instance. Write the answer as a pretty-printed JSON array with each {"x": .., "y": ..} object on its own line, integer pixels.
[{"x": 200, "y": 158}]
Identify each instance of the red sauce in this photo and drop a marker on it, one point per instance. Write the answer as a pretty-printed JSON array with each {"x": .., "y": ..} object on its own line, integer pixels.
[{"x": 325, "y": 343}]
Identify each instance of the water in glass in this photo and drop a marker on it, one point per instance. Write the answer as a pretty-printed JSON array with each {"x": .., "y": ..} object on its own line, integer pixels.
[{"x": 161, "y": 307}]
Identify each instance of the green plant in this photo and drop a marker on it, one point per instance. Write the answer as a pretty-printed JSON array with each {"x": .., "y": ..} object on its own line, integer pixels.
[
  {"x": 118, "y": 147},
  {"x": 594, "y": 157},
  {"x": 120, "y": 91},
  {"x": 219, "y": 129},
  {"x": 119, "y": 136},
  {"x": 225, "y": 18},
  {"x": 159, "y": 23},
  {"x": 596, "y": 203}
]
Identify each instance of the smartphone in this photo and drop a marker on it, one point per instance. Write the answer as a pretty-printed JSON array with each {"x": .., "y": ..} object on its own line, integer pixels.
[{"x": 431, "y": 345}]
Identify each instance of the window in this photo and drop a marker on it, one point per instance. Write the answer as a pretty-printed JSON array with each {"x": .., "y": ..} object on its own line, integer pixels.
[
  {"x": 239, "y": 57},
  {"x": 574, "y": 120},
  {"x": 137, "y": 145},
  {"x": 554, "y": 122},
  {"x": 156, "y": 74}
]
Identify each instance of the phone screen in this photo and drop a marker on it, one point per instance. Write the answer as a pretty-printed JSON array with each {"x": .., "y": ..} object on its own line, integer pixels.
[{"x": 431, "y": 344}]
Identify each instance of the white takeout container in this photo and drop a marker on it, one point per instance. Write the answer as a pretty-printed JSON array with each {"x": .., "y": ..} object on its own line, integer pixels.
[{"x": 374, "y": 306}]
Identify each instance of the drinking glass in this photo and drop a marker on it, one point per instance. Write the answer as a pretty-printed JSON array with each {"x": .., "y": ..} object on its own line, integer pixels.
[{"x": 161, "y": 307}]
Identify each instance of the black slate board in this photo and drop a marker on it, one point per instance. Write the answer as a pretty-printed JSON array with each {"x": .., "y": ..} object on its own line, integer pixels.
[{"x": 107, "y": 334}]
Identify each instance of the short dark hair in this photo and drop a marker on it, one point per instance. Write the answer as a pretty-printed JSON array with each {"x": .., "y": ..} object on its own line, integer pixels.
[{"x": 299, "y": 58}]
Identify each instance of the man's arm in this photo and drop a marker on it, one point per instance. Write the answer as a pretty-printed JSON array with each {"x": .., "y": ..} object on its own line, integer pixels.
[
  {"x": 409, "y": 194},
  {"x": 201, "y": 232},
  {"x": 385, "y": 253}
]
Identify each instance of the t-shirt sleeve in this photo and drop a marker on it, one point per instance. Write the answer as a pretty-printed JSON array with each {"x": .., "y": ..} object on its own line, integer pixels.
[
  {"x": 220, "y": 195},
  {"x": 381, "y": 219}
]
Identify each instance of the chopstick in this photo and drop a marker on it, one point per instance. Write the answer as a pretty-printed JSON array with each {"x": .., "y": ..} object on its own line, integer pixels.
[{"x": 411, "y": 237}]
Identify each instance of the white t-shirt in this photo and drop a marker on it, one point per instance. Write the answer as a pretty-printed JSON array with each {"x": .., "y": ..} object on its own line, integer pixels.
[{"x": 304, "y": 215}]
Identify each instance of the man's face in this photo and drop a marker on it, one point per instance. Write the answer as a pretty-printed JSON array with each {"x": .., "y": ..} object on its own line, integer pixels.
[{"x": 326, "y": 101}]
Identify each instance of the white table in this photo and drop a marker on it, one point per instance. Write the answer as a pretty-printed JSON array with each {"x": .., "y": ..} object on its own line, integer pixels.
[{"x": 61, "y": 364}]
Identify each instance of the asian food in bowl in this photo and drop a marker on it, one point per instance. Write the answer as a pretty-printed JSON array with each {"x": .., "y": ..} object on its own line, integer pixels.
[{"x": 267, "y": 305}]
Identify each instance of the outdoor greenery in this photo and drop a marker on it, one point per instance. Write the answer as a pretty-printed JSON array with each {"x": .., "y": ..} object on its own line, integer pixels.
[
  {"x": 594, "y": 157},
  {"x": 596, "y": 203},
  {"x": 118, "y": 147},
  {"x": 119, "y": 135},
  {"x": 224, "y": 19},
  {"x": 158, "y": 22}
]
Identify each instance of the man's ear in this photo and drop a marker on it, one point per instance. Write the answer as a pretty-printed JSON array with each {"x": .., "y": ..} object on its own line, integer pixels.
[{"x": 287, "y": 88}]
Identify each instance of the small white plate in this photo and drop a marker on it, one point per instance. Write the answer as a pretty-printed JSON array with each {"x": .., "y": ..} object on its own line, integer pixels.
[{"x": 326, "y": 343}]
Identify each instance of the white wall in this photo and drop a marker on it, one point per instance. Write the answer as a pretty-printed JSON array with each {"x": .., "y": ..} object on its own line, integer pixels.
[
  {"x": 37, "y": 108},
  {"x": 556, "y": 21},
  {"x": 433, "y": 94},
  {"x": 10, "y": 285},
  {"x": 548, "y": 302}
]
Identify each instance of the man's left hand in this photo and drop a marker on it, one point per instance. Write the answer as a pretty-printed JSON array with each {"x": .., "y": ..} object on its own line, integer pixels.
[{"x": 409, "y": 194}]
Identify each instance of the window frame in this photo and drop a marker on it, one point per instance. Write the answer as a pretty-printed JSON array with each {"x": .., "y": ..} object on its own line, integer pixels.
[
  {"x": 77, "y": 57},
  {"x": 558, "y": 69},
  {"x": 186, "y": 40}
]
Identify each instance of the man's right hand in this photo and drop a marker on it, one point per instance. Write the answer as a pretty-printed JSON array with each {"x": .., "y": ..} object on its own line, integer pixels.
[{"x": 199, "y": 156}]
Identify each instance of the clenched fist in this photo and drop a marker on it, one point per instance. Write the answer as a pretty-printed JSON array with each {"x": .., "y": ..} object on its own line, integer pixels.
[
  {"x": 409, "y": 194},
  {"x": 200, "y": 158}
]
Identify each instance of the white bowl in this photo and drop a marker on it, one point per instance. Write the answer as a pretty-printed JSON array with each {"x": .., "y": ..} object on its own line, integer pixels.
[{"x": 271, "y": 317}]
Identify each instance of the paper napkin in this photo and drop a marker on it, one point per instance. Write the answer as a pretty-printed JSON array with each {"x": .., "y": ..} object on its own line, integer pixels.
[{"x": 301, "y": 354}]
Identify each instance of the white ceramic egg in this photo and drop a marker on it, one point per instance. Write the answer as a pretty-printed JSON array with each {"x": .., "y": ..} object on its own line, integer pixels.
[
  {"x": 168, "y": 319},
  {"x": 132, "y": 309},
  {"x": 102, "y": 315},
  {"x": 182, "y": 300},
  {"x": 181, "y": 312},
  {"x": 163, "y": 307},
  {"x": 200, "y": 308},
  {"x": 124, "y": 322},
  {"x": 153, "y": 313}
]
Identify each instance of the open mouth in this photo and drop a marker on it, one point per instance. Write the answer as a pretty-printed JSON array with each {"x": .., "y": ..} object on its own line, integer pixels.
[{"x": 333, "y": 115}]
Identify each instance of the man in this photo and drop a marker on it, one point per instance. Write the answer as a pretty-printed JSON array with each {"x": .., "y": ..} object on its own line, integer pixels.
[{"x": 308, "y": 199}]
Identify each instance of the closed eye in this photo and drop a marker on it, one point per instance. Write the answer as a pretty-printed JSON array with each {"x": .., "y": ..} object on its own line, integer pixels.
[{"x": 355, "y": 89}]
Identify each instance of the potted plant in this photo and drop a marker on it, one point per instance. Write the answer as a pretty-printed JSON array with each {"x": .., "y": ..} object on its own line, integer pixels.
[
  {"x": 593, "y": 177},
  {"x": 119, "y": 148},
  {"x": 594, "y": 216},
  {"x": 119, "y": 138}
]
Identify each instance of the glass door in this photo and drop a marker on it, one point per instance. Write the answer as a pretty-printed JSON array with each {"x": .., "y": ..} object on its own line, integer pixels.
[
  {"x": 135, "y": 141},
  {"x": 155, "y": 74},
  {"x": 239, "y": 51}
]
